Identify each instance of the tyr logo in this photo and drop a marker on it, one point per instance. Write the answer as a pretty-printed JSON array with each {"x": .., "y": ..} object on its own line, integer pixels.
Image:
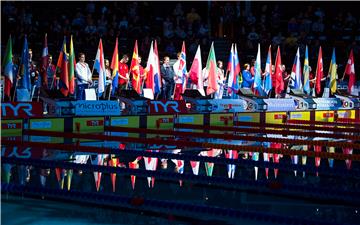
[
  {"x": 15, "y": 110},
  {"x": 15, "y": 152},
  {"x": 169, "y": 106}
]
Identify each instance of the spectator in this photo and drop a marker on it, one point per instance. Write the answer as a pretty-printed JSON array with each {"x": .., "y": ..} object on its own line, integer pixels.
[
  {"x": 168, "y": 31},
  {"x": 192, "y": 16}
]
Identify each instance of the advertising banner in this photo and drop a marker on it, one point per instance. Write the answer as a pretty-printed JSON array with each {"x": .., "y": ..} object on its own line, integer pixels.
[
  {"x": 97, "y": 108},
  {"x": 163, "y": 122},
  {"x": 11, "y": 128},
  {"x": 51, "y": 124},
  {"x": 125, "y": 121},
  {"x": 21, "y": 109}
]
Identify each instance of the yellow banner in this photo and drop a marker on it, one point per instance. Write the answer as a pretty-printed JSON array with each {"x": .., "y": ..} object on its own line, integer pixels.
[
  {"x": 11, "y": 128},
  {"x": 125, "y": 121},
  {"x": 162, "y": 122},
  {"x": 53, "y": 124}
]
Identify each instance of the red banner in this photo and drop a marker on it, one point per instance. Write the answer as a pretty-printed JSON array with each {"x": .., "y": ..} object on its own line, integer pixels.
[
  {"x": 167, "y": 107},
  {"x": 21, "y": 109}
]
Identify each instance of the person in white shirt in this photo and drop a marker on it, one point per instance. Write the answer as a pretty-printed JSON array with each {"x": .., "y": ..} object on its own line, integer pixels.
[
  {"x": 83, "y": 77},
  {"x": 179, "y": 78},
  {"x": 220, "y": 80}
]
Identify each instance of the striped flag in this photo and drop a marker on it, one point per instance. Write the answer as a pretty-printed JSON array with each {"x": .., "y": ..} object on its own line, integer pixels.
[
  {"x": 115, "y": 68},
  {"x": 306, "y": 72},
  {"x": 99, "y": 66},
  {"x": 8, "y": 68},
  {"x": 182, "y": 66},
  {"x": 295, "y": 76},
  {"x": 72, "y": 64},
  {"x": 211, "y": 68},
  {"x": 62, "y": 64},
  {"x": 153, "y": 80}
]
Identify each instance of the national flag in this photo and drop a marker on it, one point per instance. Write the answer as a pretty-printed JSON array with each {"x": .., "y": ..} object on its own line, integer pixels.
[
  {"x": 8, "y": 68},
  {"x": 257, "y": 78},
  {"x": 99, "y": 161},
  {"x": 231, "y": 154},
  {"x": 115, "y": 68},
  {"x": 44, "y": 62},
  {"x": 72, "y": 64},
  {"x": 268, "y": 73},
  {"x": 211, "y": 68},
  {"x": 153, "y": 80},
  {"x": 319, "y": 72},
  {"x": 279, "y": 82},
  {"x": 113, "y": 162},
  {"x": 230, "y": 67},
  {"x": 135, "y": 70},
  {"x": 306, "y": 72},
  {"x": 350, "y": 70},
  {"x": 99, "y": 66},
  {"x": 133, "y": 165},
  {"x": 24, "y": 67},
  {"x": 157, "y": 76},
  {"x": 195, "y": 167},
  {"x": 195, "y": 72},
  {"x": 151, "y": 164},
  {"x": 333, "y": 73},
  {"x": 62, "y": 64},
  {"x": 295, "y": 76},
  {"x": 182, "y": 66},
  {"x": 60, "y": 176}
]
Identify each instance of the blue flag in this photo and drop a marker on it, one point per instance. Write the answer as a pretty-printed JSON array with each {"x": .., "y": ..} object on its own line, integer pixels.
[{"x": 24, "y": 67}]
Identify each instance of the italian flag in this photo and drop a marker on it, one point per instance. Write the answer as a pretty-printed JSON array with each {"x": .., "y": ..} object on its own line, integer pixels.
[{"x": 8, "y": 68}]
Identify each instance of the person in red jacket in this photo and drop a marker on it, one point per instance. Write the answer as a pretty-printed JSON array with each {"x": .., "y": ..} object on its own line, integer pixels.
[{"x": 123, "y": 72}]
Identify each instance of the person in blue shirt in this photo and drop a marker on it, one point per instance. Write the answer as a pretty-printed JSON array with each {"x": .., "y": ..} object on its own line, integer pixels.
[{"x": 247, "y": 78}]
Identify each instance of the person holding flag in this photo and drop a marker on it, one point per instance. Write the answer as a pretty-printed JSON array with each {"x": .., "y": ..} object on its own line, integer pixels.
[
  {"x": 180, "y": 76},
  {"x": 248, "y": 79},
  {"x": 84, "y": 77},
  {"x": 167, "y": 74},
  {"x": 123, "y": 73},
  {"x": 220, "y": 81}
]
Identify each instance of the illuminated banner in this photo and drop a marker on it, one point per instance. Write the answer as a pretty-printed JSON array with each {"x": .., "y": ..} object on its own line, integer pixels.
[
  {"x": 300, "y": 116},
  {"x": 125, "y": 121},
  {"x": 88, "y": 125},
  {"x": 325, "y": 116},
  {"x": 280, "y": 104},
  {"x": 11, "y": 128},
  {"x": 195, "y": 119},
  {"x": 248, "y": 117},
  {"x": 163, "y": 122},
  {"x": 21, "y": 109},
  {"x": 275, "y": 117},
  {"x": 221, "y": 119},
  {"x": 327, "y": 103},
  {"x": 167, "y": 107},
  {"x": 51, "y": 124},
  {"x": 97, "y": 108},
  {"x": 228, "y": 105},
  {"x": 346, "y": 114}
]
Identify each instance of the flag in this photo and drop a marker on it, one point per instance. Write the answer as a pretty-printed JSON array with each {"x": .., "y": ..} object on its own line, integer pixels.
[
  {"x": 115, "y": 68},
  {"x": 231, "y": 154},
  {"x": 99, "y": 66},
  {"x": 306, "y": 72},
  {"x": 8, "y": 68},
  {"x": 44, "y": 62},
  {"x": 135, "y": 70},
  {"x": 114, "y": 163},
  {"x": 295, "y": 76},
  {"x": 195, "y": 167},
  {"x": 350, "y": 70},
  {"x": 319, "y": 72},
  {"x": 99, "y": 161},
  {"x": 268, "y": 73},
  {"x": 257, "y": 78},
  {"x": 182, "y": 66},
  {"x": 153, "y": 80},
  {"x": 133, "y": 165},
  {"x": 195, "y": 72},
  {"x": 24, "y": 67},
  {"x": 211, "y": 68},
  {"x": 63, "y": 65},
  {"x": 279, "y": 82},
  {"x": 333, "y": 73},
  {"x": 151, "y": 164},
  {"x": 234, "y": 70},
  {"x": 72, "y": 64}
]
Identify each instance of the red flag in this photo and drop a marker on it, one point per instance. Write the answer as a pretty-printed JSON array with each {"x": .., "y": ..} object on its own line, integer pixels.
[
  {"x": 350, "y": 70},
  {"x": 211, "y": 68},
  {"x": 113, "y": 162},
  {"x": 135, "y": 70},
  {"x": 319, "y": 72},
  {"x": 279, "y": 82}
]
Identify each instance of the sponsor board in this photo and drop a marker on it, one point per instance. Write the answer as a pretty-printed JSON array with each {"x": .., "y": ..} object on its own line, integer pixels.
[
  {"x": 275, "y": 117},
  {"x": 221, "y": 119},
  {"x": 53, "y": 124},
  {"x": 195, "y": 119},
  {"x": 163, "y": 122},
  {"x": 11, "y": 128},
  {"x": 21, "y": 109},
  {"x": 125, "y": 121},
  {"x": 88, "y": 125},
  {"x": 325, "y": 116},
  {"x": 97, "y": 108}
]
